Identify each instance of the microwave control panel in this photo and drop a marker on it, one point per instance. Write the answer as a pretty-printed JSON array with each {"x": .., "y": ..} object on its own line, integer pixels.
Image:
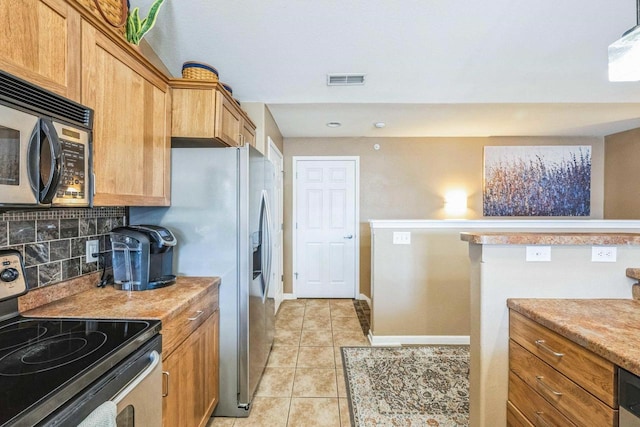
[
  {"x": 75, "y": 184},
  {"x": 73, "y": 180}
]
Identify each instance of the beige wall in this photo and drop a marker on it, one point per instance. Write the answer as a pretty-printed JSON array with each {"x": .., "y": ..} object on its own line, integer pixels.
[
  {"x": 622, "y": 183},
  {"x": 266, "y": 126},
  {"x": 408, "y": 177},
  {"x": 428, "y": 280},
  {"x": 271, "y": 130}
]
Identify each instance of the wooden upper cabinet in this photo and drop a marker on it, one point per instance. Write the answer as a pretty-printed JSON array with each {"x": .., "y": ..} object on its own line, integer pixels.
[
  {"x": 41, "y": 44},
  {"x": 228, "y": 121},
  {"x": 131, "y": 142},
  {"x": 248, "y": 132},
  {"x": 205, "y": 112}
]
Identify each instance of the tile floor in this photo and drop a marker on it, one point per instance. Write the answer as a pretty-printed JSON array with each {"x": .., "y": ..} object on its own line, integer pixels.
[{"x": 303, "y": 384}]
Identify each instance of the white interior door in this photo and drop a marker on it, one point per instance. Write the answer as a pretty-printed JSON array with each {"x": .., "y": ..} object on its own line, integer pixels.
[
  {"x": 326, "y": 220},
  {"x": 277, "y": 204}
]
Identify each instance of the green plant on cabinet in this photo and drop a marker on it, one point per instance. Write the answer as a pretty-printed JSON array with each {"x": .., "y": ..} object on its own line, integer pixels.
[{"x": 136, "y": 27}]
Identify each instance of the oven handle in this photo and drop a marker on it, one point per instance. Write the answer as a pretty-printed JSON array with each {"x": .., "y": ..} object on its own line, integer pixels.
[{"x": 154, "y": 357}]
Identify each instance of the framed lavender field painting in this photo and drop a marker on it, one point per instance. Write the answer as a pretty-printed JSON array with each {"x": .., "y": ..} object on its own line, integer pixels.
[{"x": 537, "y": 181}]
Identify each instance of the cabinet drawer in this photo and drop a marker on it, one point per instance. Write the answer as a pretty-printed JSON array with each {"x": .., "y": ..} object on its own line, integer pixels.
[
  {"x": 585, "y": 368},
  {"x": 178, "y": 328},
  {"x": 515, "y": 417},
  {"x": 537, "y": 410},
  {"x": 565, "y": 395}
]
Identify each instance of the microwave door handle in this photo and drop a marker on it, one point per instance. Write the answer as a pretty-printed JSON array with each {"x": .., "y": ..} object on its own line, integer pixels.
[
  {"x": 50, "y": 187},
  {"x": 33, "y": 160}
]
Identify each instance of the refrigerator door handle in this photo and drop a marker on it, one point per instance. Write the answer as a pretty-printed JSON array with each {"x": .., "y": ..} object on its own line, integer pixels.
[{"x": 266, "y": 244}]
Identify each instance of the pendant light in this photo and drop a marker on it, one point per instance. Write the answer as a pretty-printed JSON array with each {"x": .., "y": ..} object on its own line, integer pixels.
[{"x": 624, "y": 54}]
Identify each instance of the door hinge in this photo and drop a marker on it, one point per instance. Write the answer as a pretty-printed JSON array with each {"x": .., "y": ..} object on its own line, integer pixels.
[
  {"x": 296, "y": 274},
  {"x": 282, "y": 278}
]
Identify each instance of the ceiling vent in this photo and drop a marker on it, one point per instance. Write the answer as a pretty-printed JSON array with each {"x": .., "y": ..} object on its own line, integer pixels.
[{"x": 351, "y": 79}]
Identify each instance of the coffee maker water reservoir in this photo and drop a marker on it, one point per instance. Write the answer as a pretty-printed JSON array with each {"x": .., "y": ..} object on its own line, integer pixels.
[{"x": 142, "y": 257}]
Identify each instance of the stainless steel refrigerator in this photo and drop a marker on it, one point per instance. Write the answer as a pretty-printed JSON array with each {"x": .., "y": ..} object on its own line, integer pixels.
[{"x": 220, "y": 216}]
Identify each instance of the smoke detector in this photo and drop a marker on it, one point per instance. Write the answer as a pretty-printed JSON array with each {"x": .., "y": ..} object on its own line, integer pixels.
[{"x": 345, "y": 79}]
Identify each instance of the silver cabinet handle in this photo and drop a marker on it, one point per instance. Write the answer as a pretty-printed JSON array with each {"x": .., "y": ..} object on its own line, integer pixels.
[
  {"x": 166, "y": 375},
  {"x": 541, "y": 419},
  {"x": 543, "y": 345},
  {"x": 540, "y": 381},
  {"x": 349, "y": 236},
  {"x": 198, "y": 314}
]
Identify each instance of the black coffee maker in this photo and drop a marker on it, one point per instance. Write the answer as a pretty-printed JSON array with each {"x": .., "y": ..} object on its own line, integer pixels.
[{"x": 142, "y": 257}]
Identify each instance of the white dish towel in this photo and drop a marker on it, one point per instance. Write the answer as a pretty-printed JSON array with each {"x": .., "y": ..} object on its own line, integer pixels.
[{"x": 103, "y": 416}]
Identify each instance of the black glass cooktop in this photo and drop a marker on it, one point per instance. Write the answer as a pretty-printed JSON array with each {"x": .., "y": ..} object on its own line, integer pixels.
[{"x": 43, "y": 361}]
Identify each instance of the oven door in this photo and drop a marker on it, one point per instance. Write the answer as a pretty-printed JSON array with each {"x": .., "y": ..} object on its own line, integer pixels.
[
  {"x": 140, "y": 402},
  {"x": 133, "y": 386},
  {"x": 17, "y": 131}
]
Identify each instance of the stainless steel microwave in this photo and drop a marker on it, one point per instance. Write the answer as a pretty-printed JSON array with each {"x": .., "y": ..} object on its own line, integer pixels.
[{"x": 45, "y": 147}]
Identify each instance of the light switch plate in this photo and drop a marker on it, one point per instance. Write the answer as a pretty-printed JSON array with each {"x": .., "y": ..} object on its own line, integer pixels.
[
  {"x": 401, "y": 237},
  {"x": 538, "y": 253}
]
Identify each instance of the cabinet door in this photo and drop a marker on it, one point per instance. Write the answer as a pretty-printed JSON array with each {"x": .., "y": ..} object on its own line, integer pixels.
[
  {"x": 228, "y": 121},
  {"x": 41, "y": 44},
  {"x": 248, "y": 133},
  {"x": 131, "y": 143},
  {"x": 181, "y": 406},
  {"x": 212, "y": 362},
  {"x": 172, "y": 389},
  {"x": 193, "y": 378}
]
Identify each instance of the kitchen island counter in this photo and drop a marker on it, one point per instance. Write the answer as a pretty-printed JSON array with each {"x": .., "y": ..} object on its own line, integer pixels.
[
  {"x": 607, "y": 327},
  {"x": 515, "y": 265}
]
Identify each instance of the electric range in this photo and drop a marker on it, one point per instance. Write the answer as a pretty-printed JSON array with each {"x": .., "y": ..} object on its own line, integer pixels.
[{"x": 45, "y": 363}]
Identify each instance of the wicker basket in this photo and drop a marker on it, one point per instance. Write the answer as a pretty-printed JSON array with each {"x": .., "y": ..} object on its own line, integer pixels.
[
  {"x": 199, "y": 71},
  {"x": 227, "y": 88},
  {"x": 112, "y": 12}
]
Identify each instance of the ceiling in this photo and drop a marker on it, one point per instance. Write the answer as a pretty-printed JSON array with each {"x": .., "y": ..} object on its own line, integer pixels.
[{"x": 433, "y": 67}]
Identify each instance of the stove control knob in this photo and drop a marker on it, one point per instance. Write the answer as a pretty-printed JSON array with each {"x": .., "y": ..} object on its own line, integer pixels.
[{"x": 9, "y": 275}]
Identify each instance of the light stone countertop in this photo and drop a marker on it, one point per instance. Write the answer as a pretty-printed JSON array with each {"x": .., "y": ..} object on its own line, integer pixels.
[
  {"x": 550, "y": 238},
  {"x": 608, "y": 327},
  {"x": 109, "y": 303}
]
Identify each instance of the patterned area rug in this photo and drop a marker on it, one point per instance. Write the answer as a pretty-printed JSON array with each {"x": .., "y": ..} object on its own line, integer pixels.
[{"x": 407, "y": 386}]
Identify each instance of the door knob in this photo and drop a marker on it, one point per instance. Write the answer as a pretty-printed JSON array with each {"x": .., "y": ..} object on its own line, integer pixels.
[{"x": 349, "y": 236}]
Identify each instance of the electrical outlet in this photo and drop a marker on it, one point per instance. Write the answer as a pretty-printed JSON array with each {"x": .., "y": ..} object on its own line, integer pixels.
[
  {"x": 92, "y": 249},
  {"x": 603, "y": 253},
  {"x": 401, "y": 237},
  {"x": 538, "y": 253}
]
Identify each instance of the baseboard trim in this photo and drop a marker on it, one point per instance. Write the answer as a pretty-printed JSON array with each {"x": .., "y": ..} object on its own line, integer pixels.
[
  {"x": 397, "y": 340},
  {"x": 366, "y": 298},
  {"x": 293, "y": 296}
]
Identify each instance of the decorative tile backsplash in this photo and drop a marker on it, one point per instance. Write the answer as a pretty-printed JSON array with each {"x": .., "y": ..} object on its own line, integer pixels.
[{"x": 53, "y": 241}]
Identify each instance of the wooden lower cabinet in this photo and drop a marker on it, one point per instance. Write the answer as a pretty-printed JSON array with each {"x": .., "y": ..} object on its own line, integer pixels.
[
  {"x": 554, "y": 381},
  {"x": 191, "y": 377}
]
